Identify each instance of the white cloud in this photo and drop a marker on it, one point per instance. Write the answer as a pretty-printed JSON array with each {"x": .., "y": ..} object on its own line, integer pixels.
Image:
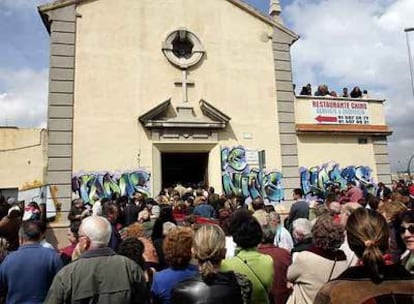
[
  {"x": 24, "y": 100},
  {"x": 359, "y": 42}
]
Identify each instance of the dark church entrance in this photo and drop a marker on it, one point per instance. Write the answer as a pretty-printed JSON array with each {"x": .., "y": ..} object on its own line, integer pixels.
[{"x": 188, "y": 168}]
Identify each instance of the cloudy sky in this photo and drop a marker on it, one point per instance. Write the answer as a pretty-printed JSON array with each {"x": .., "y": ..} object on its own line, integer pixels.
[{"x": 343, "y": 44}]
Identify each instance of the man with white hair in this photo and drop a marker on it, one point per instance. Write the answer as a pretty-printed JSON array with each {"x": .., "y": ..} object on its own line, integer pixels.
[
  {"x": 302, "y": 234},
  {"x": 99, "y": 275},
  {"x": 283, "y": 239}
]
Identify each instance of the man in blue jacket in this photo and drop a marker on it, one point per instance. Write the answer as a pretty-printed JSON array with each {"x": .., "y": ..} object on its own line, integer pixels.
[{"x": 26, "y": 274}]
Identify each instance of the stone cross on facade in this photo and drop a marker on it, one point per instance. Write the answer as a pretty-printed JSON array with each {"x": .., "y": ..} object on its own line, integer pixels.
[{"x": 184, "y": 83}]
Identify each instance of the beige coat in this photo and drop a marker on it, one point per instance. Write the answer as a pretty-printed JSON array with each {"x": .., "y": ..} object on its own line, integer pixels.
[{"x": 309, "y": 272}]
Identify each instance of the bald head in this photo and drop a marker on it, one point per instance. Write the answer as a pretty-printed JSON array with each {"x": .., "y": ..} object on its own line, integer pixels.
[{"x": 97, "y": 229}]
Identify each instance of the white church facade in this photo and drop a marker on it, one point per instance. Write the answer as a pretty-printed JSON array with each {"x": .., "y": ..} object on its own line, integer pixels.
[{"x": 143, "y": 94}]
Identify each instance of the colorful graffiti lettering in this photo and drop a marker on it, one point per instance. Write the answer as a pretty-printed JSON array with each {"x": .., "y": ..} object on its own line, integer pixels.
[
  {"x": 106, "y": 184},
  {"x": 317, "y": 180},
  {"x": 239, "y": 179}
]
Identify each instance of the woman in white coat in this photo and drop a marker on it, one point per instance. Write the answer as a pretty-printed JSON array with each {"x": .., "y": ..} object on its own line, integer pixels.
[{"x": 322, "y": 262}]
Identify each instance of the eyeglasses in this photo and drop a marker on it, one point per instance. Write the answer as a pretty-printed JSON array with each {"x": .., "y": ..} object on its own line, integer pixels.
[{"x": 409, "y": 228}]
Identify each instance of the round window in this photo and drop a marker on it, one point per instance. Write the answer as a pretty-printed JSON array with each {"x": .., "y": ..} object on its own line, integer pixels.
[{"x": 183, "y": 49}]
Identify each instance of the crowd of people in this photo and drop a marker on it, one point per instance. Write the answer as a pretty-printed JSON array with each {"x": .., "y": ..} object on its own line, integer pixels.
[
  {"x": 324, "y": 91},
  {"x": 195, "y": 246}
]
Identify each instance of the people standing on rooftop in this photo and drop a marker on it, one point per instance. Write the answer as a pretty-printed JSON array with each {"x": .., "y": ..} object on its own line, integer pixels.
[
  {"x": 323, "y": 90},
  {"x": 356, "y": 92},
  {"x": 306, "y": 90}
]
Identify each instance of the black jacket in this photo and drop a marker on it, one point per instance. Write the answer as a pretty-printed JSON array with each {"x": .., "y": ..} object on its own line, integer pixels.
[{"x": 220, "y": 288}]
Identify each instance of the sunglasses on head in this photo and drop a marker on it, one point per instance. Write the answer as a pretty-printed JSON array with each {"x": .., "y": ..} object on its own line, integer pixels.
[{"x": 409, "y": 228}]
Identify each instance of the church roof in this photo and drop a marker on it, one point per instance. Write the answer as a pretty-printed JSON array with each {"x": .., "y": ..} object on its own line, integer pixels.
[{"x": 239, "y": 3}]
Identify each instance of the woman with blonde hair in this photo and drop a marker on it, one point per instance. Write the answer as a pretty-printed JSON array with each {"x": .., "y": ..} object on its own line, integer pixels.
[
  {"x": 374, "y": 280},
  {"x": 212, "y": 285}
]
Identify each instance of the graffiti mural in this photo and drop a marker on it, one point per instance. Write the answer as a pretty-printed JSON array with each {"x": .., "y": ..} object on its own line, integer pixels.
[
  {"x": 106, "y": 184},
  {"x": 316, "y": 180},
  {"x": 239, "y": 179}
]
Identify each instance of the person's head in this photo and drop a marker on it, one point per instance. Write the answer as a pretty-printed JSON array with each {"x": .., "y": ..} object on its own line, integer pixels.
[
  {"x": 345, "y": 91},
  {"x": 14, "y": 211},
  {"x": 78, "y": 203},
  {"x": 327, "y": 233},
  {"x": 167, "y": 227},
  {"x": 391, "y": 210},
  {"x": 138, "y": 197},
  {"x": 324, "y": 89},
  {"x": 73, "y": 232},
  {"x": 334, "y": 208},
  {"x": 406, "y": 229},
  {"x": 258, "y": 203},
  {"x": 166, "y": 214},
  {"x": 245, "y": 229},
  {"x": 31, "y": 212},
  {"x": 367, "y": 235},
  {"x": 297, "y": 194},
  {"x": 330, "y": 197},
  {"x": 177, "y": 247},
  {"x": 132, "y": 248},
  {"x": 94, "y": 232},
  {"x": 301, "y": 229},
  {"x": 346, "y": 211},
  {"x": 199, "y": 192},
  {"x": 274, "y": 219},
  {"x": 209, "y": 248},
  {"x": 211, "y": 190},
  {"x": 135, "y": 230},
  {"x": 268, "y": 234},
  {"x": 110, "y": 211},
  {"x": 30, "y": 232},
  {"x": 349, "y": 185},
  {"x": 144, "y": 215}
]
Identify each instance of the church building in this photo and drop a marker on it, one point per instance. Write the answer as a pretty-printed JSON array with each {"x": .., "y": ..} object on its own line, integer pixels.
[{"x": 147, "y": 93}]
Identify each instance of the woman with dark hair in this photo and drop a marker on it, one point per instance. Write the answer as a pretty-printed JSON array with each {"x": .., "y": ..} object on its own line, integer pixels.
[
  {"x": 212, "y": 286},
  {"x": 177, "y": 253},
  {"x": 319, "y": 263},
  {"x": 134, "y": 249},
  {"x": 374, "y": 280},
  {"x": 406, "y": 236},
  {"x": 157, "y": 235},
  {"x": 281, "y": 261},
  {"x": 258, "y": 267},
  {"x": 73, "y": 238},
  {"x": 356, "y": 92},
  {"x": 149, "y": 254}
]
